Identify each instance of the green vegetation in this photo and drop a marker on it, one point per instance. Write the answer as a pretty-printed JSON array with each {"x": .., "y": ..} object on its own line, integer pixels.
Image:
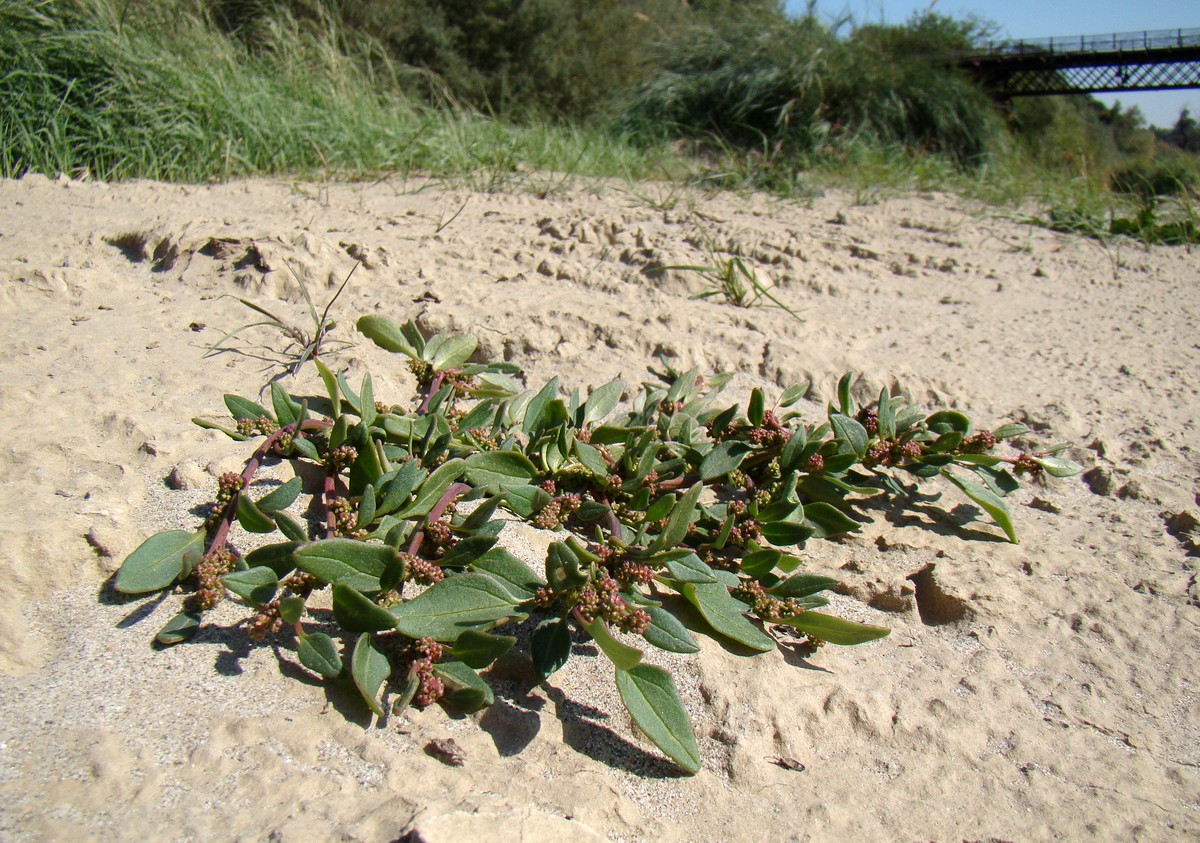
[
  {"x": 673, "y": 514},
  {"x": 729, "y": 92}
]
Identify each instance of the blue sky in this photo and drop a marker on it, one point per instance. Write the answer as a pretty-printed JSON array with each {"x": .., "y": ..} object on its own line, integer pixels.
[{"x": 1044, "y": 18}]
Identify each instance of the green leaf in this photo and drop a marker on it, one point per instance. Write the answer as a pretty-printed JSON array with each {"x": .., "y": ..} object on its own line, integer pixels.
[
  {"x": 650, "y": 696},
  {"x": 366, "y": 508},
  {"x": 948, "y": 441},
  {"x": 388, "y": 335},
  {"x": 537, "y": 407},
  {"x": 479, "y": 649},
  {"x": 944, "y": 421},
  {"x": 1007, "y": 431},
  {"x": 408, "y": 691},
  {"x": 793, "y": 451},
  {"x": 452, "y": 352},
  {"x": 179, "y": 628},
  {"x": 828, "y": 520},
  {"x": 793, "y": 394},
  {"x": 370, "y": 669},
  {"x": 590, "y": 458},
  {"x": 319, "y": 653},
  {"x": 354, "y": 612},
  {"x": 331, "y": 387},
  {"x": 514, "y": 574},
  {"x": 991, "y": 503},
  {"x": 433, "y": 488},
  {"x": 466, "y": 601},
  {"x": 801, "y": 585},
  {"x": 550, "y": 647},
  {"x": 887, "y": 415},
  {"x": 785, "y": 533},
  {"x": 396, "y": 490},
  {"x": 833, "y": 629},
  {"x": 257, "y": 586},
  {"x": 723, "y": 419},
  {"x": 291, "y": 609},
  {"x": 290, "y": 527},
  {"x": 723, "y": 459},
  {"x": 690, "y": 568},
  {"x": 159, "y": 561},
  {"x": 243, "y": 408},
  {"x": 849, "y": 430},
  {"x": 724, "y": 614},
  {"x": 757, "y": 407},
  {"x": 494, "y": 386},
  {"x": 563, "y": 568},
  {"x": 467, "y": 551},
  {"x": 286, "y": 410},
  {"x": 493, "y": 470},
  {"x": 252, "y": 519},
  {"x": 620, "y": 654},
  {"x": 667, "y": 632},
  {"x": 602, "y": 401},
  {"x": 759, "y": 563},
  {"x": 354, "y": 563},
  {"x": 974, "y": 459},
  {"x": 845, "y": 400},
  {"x": 281, "y": 497},
  {"x": 1058, "y": 467},
  {"x": 466, "y": 690},
  {"x": 679, "y": 521},
  {"x": 525, "y": 500},
  {"x": 366, "y": 402}
]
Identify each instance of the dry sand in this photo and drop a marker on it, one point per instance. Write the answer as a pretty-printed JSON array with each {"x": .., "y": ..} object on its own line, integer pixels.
[{"x": 1047, "y": 690}]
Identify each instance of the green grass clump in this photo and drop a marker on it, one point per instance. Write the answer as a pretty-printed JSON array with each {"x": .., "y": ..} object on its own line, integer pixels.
[
  {"x": 85, "y": 90},
  {"x": 794, "y": 88}
]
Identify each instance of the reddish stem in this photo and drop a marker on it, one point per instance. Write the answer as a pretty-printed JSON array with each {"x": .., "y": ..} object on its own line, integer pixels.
[
  {"x": 329, "y": 492},
  {"x": 252, "y": 466},
  {"x": 434, "y": 386},
  {"x": 447, "y": 498}
]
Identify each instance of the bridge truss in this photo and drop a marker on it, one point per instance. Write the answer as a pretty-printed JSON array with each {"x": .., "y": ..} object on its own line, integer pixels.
[{"x": 1143, "y": 61}]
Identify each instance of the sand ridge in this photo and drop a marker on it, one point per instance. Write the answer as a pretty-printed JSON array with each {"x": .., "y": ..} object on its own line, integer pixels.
[{"x": 1045, "y": 690}]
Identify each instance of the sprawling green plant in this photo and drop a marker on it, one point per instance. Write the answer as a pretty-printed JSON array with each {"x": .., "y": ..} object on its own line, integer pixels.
[{"x": 664, "y": 501}]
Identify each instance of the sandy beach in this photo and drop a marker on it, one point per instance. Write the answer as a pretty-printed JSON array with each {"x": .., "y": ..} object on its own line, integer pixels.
[{"x": 1048, "y": 690}]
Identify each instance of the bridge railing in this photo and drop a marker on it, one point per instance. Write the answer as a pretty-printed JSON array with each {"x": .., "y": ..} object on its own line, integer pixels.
[{"x": 1161, "y": 39}]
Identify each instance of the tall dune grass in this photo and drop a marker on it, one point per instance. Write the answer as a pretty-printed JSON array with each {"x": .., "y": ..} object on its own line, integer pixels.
[{"x": 154, "y": 90}]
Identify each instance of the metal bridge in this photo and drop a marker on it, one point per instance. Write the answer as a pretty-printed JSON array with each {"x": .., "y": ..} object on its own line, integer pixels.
[{"x": 1133, "y": 61}]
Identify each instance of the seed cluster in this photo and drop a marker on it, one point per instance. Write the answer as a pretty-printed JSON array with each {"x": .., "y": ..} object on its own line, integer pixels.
[
  {"x": 1026, "y": 464},
  {"x": 228, "y": 486},
  {"x": 765, "y": 605},
  {"x": 892, "y": 452},
  {"x": 868, "y": 417},
  {"x": 341, "y": 457},
  {"x": 424, "y": 653},
  {"x": 210, "y": 590},
  {"x": 421, "y": 571},
  {"x": 263, "y": 425},
  {"x": 439, "y": 537},
  {"x": 557, "y": 511},
  {"x": 345, "y": 519},
  {"x": 979, "y": 443},
  {"x": 769, "y": 433},
  {"x": 265, "y": 622},
  {"x": 603, "y": 599}
]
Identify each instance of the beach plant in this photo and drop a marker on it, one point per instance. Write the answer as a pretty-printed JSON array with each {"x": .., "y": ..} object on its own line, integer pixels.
[
  {"x": 673, "y": 515},
  {"x": 729, "y": 278},
  {"x": 304, "y": 346}
]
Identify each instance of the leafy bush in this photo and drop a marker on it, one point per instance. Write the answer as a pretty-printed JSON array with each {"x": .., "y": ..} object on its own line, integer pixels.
[
  {"x": 795, "y": 85},
  {"x": 664, "y": 500}
]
